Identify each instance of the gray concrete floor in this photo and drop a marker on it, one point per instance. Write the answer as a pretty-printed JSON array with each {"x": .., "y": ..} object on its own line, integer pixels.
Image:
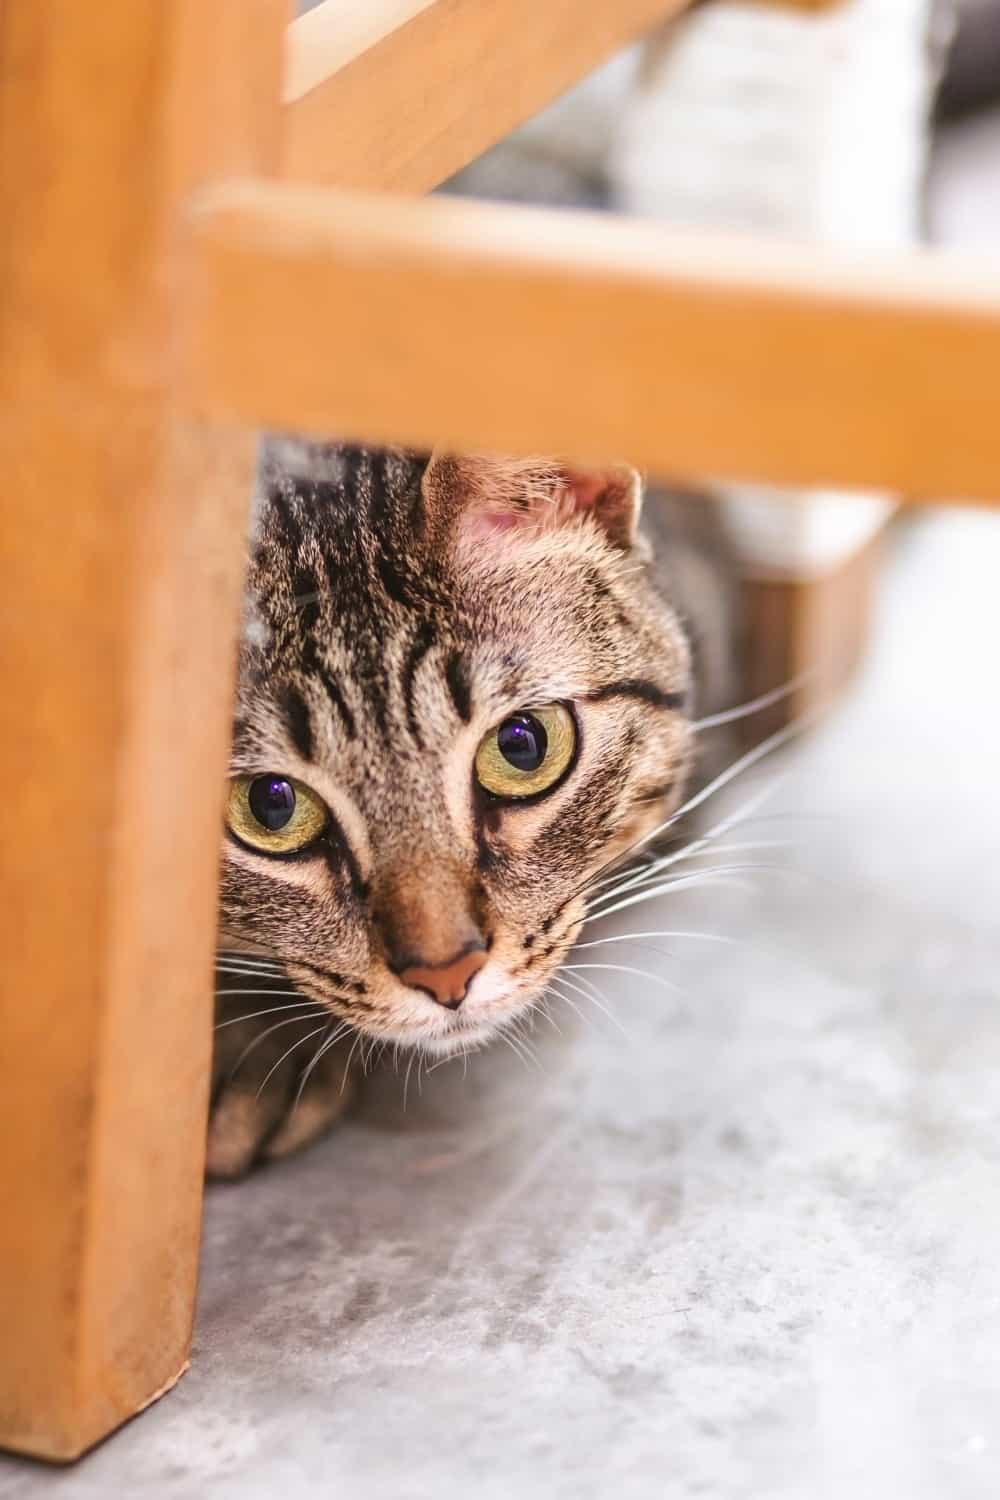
[{"x": 744, "y": 1246}]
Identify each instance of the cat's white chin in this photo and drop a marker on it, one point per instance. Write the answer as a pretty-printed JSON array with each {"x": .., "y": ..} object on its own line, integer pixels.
[
  {"x": 454, "y": 1043},
  {"x": 468, "y": 1032},
  {"x": 447, "y": 1035}
]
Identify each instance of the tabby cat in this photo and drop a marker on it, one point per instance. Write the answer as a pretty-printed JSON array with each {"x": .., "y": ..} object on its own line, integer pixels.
[{"x": 463, "y": 696}]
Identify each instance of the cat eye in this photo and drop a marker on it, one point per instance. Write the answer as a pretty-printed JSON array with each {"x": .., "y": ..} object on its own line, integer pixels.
[
  {"x": 527, "y": 752},
  {"x": 274, "y": 814}
]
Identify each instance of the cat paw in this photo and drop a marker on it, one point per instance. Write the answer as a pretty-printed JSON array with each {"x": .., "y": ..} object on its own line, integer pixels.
[{"x": 270, "y": 1096}]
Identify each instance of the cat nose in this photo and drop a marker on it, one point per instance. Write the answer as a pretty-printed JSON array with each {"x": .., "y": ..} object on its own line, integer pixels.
[{"x": 446, "y": 983}]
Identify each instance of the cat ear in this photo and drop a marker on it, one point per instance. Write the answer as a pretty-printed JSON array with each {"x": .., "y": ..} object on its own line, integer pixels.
[{"x": 484, "y": 494}]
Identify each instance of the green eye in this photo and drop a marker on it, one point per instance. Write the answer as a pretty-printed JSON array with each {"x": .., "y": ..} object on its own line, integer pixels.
[
  {"x": 274, "y": 814},
  {"x": 527, "y": 752}
]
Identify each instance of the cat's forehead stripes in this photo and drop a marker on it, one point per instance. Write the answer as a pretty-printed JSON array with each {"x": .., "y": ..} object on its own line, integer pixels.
[
  {"x": 642, "y": 690},
  {"x": 298, "y": 719},
  {"x": 458, "y": 678},
  {"x": 346, "y": 592},
  {"x": 417, "y": 649}
]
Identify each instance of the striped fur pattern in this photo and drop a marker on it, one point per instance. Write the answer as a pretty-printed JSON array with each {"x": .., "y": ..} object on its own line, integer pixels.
[{"x": 398, "y": 609}]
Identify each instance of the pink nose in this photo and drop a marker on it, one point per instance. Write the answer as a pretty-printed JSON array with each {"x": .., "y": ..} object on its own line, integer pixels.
[{"x": 446, "y": 983}]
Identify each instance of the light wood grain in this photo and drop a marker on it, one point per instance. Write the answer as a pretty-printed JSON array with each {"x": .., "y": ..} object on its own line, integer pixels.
[
  {"x": 120, "y": 552},
  {"x": 399, "y": 94},
  {"x": 501, "y": 328},
  {"x": 813, "y": 630}
]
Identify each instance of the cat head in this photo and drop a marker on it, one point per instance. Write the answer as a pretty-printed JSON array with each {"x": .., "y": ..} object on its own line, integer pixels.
[{"x": 460, "y": 700}]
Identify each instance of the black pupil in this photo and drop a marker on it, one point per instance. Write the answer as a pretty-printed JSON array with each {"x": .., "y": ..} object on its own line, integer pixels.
[
  {"x": 522, "y": 742},
  {"x": 272, "y": 801}
]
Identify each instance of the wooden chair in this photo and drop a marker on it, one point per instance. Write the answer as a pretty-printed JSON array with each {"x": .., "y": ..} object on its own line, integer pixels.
[{"x": 169, "y": 286}]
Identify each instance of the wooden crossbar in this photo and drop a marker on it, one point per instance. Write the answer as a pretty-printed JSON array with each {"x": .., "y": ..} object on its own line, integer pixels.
[
  {"x": 399, "y": 94},
  {"x": 492, "y": 327}
]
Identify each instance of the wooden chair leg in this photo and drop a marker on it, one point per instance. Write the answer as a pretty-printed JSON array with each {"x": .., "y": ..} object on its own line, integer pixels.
[
  {"x": 815, "y": 628},
  {"x": 121, "y": 576}
]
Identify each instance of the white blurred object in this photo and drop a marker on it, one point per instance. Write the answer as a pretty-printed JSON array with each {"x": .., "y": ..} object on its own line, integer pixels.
[
  {"x": 800, "y": 534},
  {"x": 964, "y": 206},
  {"x": 806, "y": 126},
  {"x": 800, "y": 124}
]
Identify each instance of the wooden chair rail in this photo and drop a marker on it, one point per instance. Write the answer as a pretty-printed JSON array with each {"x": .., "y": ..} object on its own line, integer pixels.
[
  {"x": 399, "y": 94},
  {"x": 528, "y": 331}
]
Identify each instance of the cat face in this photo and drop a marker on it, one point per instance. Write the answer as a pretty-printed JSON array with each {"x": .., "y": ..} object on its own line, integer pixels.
[{"x": 460, "y": 699}]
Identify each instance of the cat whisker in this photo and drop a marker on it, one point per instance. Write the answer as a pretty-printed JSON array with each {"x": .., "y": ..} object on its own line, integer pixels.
[
  {"x": 230, "y": 961},
  {"x": 326, "y": 1042},
  {"x": 253, "y": 990},
  {"x": 350, "y": 1058},
  {"x": 526, "y": 1021},
  {"x": 271, "y": 1011},
  {"x": 721, "y": 876},
  {"x": 250, "y": 978},
  {"x": 740, "y": 815},
  {"x": 225, "y": 972},
  {"x": 745, "y": 762},
  {"x": 754, "y": 705},
  {"x": 712, "y": 848},
  {"x": 754, "y": 865},
  {"x": 593, "y": 995},
  {"x": 464, "y": 1052},
  {"x": 259, "y": 1038},
  {"x": 631, "y": 878},
  {"x": 537, "y": 1007},
  {"x": 558, "y": 995},
  {"x": 738, "y": 767},
  {"x": 240, "y": 955},
  {"x": 247, "y": 956},
  {"x": 735, "y": 865},
  {"x": 647, "y": 860},
  {"x": 631, "y": 937},
  {"x": 659, "y": 952},
  {"x": 321, "y": 1047},
  {"x": 518, "y": 1047},
  {"x": 300, "y": 1043},
  {"x": 379, "y": 1048},
  {"x": 745, "y": 846},
  {"x": 368, "y": 1058},
  {"x": 694, "y": 851},
  {"x": 739, "y": 818},
  {"x": 520, "y": 1032},
  {"x": 615, "y": 899},
  {"x": 667, "y": 984}
]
